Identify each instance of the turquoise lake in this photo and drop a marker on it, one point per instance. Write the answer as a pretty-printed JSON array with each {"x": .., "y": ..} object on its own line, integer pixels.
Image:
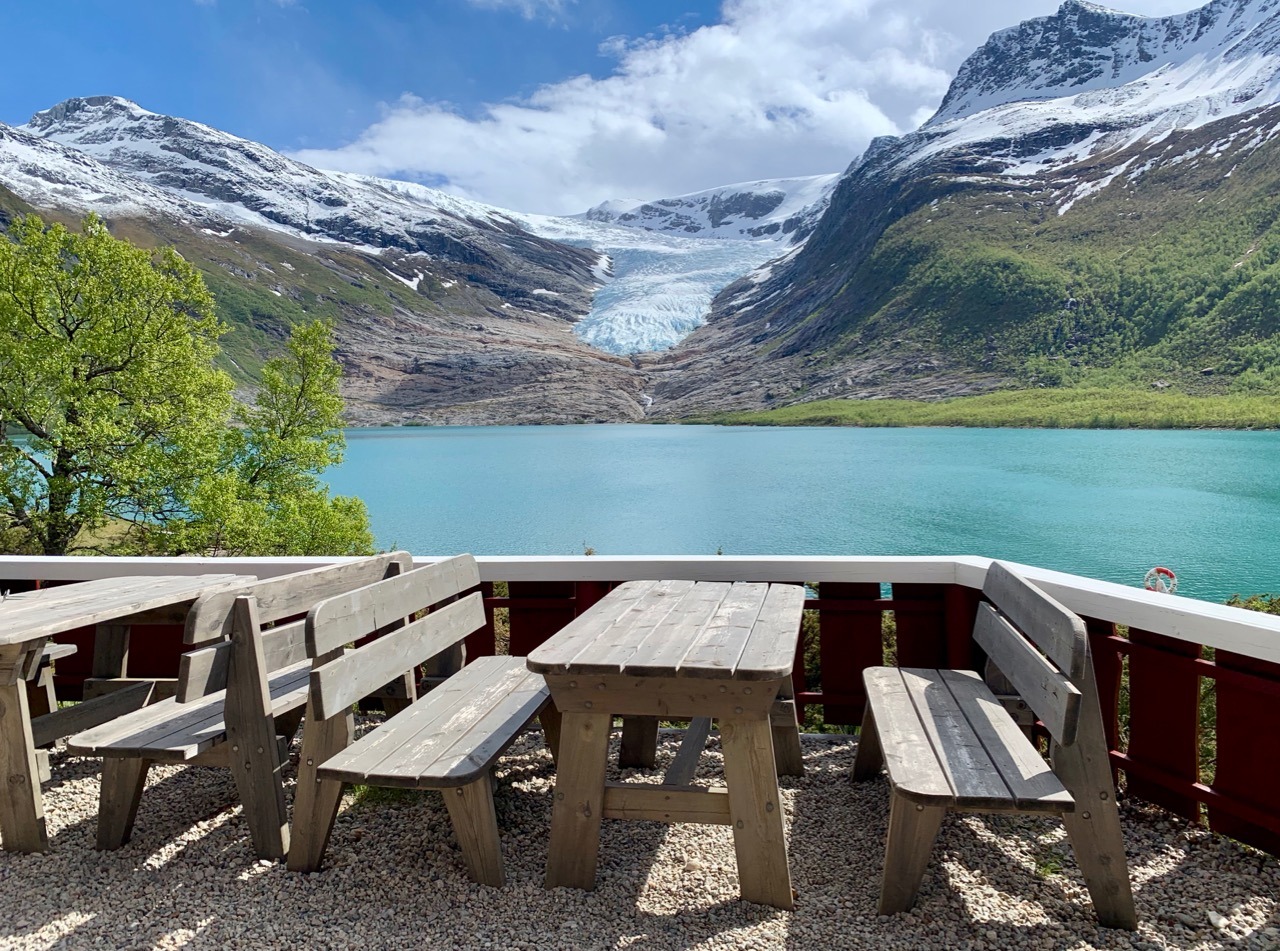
[{"x": 1107, "y": 504}]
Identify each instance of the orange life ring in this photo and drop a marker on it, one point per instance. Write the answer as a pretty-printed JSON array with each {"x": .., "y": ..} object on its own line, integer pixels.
[{"x": 1161, "y": 579}]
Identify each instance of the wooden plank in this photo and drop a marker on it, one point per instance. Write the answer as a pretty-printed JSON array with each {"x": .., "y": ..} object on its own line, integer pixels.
[
  {"x": 1046, "y": 690},
  {"x": 457, "y": 733},
  {"x": 348, "y": 617},
  {"x": 90, "y": 713},
  {"x": 1247, "y": 764},
  {"x": 908, "y": 845},
  {"x": 623, "y": 627},
  {"x": 671, "y": 698},
  {"x": 755, "y": 808},
  {"x": 1045, "y": 622},
  {"x": 617, "y": 610},
  {"x": 111, "y": 650},
  {"x": 896, "y": 717},
  {"x": 173, "y": 732},
  {"x": 1025, "y": 772},
  {"x": 964, "y": 761},
  {"x": 666, "y": 803},
  {"x": 316, "y": 801},
  {"x": 52, "y": 652},
  {"x": 22, "y": 825},
  {"x": 770, "y": 651},
  {"x": 253, "y": 755},
  {"x": 639, "y": 746},
  {"x": 1164, "y": 718},
  {"x": 359, "y": 672},
  {"x": 685, "y": 763},
  {"x": 162, "y": 688},
  {"x": 920, "y": 638},
  {"x": 122, "y": 783},
  {"x": 204, "y": 671},
  {"x": 661, "y": 650},
  {"x": 718, "y": 646},
  {"x": 289, "y": 595},
  {"x": 578, "y": 803},
  {"x": 50, "y": 611},
  {"x": 475, "y": 826}
]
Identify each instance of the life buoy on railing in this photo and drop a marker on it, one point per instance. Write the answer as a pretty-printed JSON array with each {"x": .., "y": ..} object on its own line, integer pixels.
[{"x": 1161, "y": 579}]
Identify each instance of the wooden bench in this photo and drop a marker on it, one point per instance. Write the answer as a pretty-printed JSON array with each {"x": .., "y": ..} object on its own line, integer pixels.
[
  {"x": 239, "y": 701},
  {"x": 948, "y": 743},
  {"x": 447, "y": 740}
]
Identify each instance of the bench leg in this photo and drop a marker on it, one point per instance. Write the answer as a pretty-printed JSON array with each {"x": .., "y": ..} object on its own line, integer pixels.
[
  {"x": 123, "y": 779},
  {"x": 578, "y": 801},
  {"x": 287, "y": 725},
  {"x": 869, "y": 758},
  {"x": 755, "y": 809},
  {"x": 639, "y": 749},
  {"x": 315, "y": 801},
  {"x": 1094, "y": 830},
  {"x": 912, "y": 831},
  {"x": 22, "y": 825},
  {"x": 475, "y": 824},
  {"x": 550, "y": 719},
  {"x": 787, "y": 754}
]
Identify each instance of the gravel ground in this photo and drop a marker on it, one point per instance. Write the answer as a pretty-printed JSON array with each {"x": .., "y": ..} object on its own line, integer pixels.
[{"x": 394, "y": 877}]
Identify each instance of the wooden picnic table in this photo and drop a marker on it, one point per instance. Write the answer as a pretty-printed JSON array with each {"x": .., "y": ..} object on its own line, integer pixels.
[
  {"x": 27, "y": 621},
  {"x": 675, "y": 650}
]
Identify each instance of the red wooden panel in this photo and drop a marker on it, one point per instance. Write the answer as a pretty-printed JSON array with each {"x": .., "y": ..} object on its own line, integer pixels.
[
  {"x": 1248, "y": 760},
  {"x": 962, "y": 611},
  {"x": 1164, "y": 698},
  {"x": 848, "y": 642},
  {"x": 482, "y": 643},
  {"x": 538, "y": 610},
  {"x": 1108, "y": 665},
  {"x": 922, "y": 627}
]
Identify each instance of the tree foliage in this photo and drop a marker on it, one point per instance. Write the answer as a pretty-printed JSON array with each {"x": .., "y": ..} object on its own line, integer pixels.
[{"x": 116, "y": 427}]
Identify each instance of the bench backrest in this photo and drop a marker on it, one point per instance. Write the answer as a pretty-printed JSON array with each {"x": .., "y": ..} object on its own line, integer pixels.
[
  {"x": 214, "y": 619},
  {"x": 338, "y": 622},
  {"x": 1039, "y": 646}
]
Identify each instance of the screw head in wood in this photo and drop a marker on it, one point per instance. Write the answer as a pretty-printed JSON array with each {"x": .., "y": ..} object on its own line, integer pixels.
[{"x": 587, "y": 704}]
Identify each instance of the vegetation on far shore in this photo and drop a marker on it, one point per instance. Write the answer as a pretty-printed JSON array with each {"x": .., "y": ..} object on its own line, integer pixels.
[{"x": 1049, "y": 408}]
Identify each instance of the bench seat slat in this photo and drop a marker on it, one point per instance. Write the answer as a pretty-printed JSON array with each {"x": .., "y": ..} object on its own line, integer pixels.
[
  {"x": 903, "y": 736},
  {"x": 174, "y": 732},
  {"x": 1025, "y": 772},
  {"x": 443, "y": 727},
  {"x": 963, "y": 759}
]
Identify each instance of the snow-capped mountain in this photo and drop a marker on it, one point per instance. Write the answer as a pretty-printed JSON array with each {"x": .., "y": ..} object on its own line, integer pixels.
[
  {"x": 1041, "y": 123},
  {"x": 784, "y": 209},
  {"x": 111, "y": 155}
]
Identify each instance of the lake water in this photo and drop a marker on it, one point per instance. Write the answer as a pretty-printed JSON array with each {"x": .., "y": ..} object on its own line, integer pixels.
[{"x": 1107, "y": 504}]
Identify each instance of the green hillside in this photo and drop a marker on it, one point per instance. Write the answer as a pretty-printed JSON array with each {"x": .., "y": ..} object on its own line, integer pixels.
[{"x": 1171, "y": 279}]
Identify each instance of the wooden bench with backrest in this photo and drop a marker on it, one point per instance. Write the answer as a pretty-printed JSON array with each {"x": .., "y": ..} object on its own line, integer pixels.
[
  {"x": 449, "y": 739},
  {"x": 239, "y": 701},
  {"x": 949, "y": 744}
]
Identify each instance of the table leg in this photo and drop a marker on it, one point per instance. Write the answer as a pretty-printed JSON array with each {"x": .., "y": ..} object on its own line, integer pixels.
[
  {"x": 111, "y": 650},
  {"x": 786, "y": 732},
  {"x": 639, "y": 749},
  {"x": 755, "y": 809},
  {"x": 22, "y": 824},
  {"x": 578, "y": 804}
]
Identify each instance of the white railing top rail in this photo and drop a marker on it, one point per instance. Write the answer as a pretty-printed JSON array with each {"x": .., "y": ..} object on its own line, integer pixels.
[{"x": 1201, "y": 622}]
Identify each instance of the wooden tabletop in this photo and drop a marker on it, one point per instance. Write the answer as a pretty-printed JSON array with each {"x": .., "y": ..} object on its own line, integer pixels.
[
  {"x": 710, "y": 629},
  {"x": 50, "y": 611}
]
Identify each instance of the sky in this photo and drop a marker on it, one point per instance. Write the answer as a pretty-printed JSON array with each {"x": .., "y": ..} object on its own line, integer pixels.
[{"x": 546, "y": 106}]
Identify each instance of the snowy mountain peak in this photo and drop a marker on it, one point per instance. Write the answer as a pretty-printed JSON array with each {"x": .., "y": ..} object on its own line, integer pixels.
[
  {"x": 782, "y": 210},
  {"x": 89, "y": 109},
  {"x": 1086, "y": 47}
]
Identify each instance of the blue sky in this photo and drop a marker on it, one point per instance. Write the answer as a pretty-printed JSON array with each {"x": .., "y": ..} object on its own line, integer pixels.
[{"x": 540, "y": 105}]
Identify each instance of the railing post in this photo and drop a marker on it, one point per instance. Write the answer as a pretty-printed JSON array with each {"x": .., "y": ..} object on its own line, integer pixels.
[
  {"x": 849, "y": 640},
  {"x": 1248, "y": 750},
  {"x": 1164, "y": 718}
]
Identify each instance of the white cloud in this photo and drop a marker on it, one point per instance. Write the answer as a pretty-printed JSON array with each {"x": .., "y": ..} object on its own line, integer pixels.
[{"x": 778, "y": 88}]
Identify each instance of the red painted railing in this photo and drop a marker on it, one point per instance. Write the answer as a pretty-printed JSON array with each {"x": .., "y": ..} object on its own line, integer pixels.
[{"x": 1223, "y": 768}]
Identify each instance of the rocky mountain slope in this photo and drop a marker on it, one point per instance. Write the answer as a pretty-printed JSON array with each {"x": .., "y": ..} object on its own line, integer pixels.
[
  {"x": 447, "y": 310},
  {"x": 1093, "y": 201}
]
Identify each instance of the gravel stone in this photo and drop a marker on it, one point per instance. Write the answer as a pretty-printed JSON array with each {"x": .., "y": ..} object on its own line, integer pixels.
[{"x": 394, "y": 877}]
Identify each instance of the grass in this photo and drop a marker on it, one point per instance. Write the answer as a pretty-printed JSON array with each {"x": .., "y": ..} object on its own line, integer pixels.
[{"x": 1040, "y": 408}]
